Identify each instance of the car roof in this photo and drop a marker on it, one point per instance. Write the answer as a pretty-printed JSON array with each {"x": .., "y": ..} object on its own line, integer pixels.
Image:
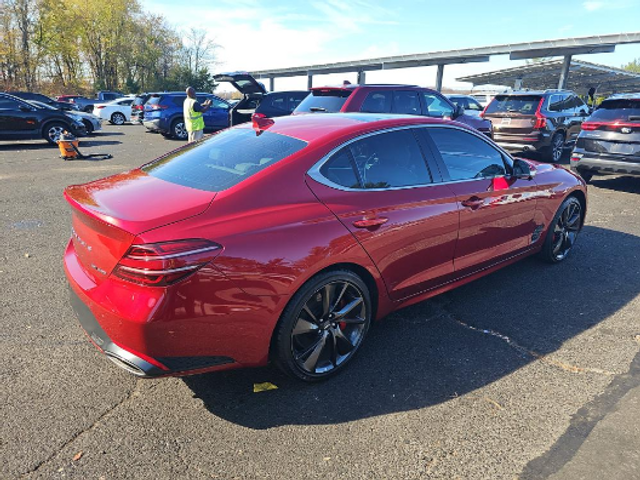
[
  {"x": 381, "y": 86},
  {"x": 618, "y": 96},
  {"x": 550, "y": 91},
  {"x": 318, "y": 127}
]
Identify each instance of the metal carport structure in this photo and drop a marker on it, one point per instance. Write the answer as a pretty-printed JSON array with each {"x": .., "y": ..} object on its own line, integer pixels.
[
  {"x": 581, "y": 77},
  {"x": 565, "y": 47}
]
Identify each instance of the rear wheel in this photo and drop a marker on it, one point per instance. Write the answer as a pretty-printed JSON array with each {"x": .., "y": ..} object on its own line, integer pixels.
[
  {"x": 555, "y": 149},
  {"x": 179, "y": 129},
  {"x": 118, "y": 118},
  {"x": 52, "y": 131},
  {"x": 563, "y": 231},
  {"x": 323, "y": 326}
]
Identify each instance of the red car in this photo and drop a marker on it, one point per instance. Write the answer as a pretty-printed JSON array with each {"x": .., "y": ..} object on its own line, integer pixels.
[{"x": 284, "y": 240}]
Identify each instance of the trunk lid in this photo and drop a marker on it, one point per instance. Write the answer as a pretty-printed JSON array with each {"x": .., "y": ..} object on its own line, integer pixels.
[
  {"x": 513, "y": 113},
  {"x": 109, "y": 213},
  {"x": 242, "y": 81}
]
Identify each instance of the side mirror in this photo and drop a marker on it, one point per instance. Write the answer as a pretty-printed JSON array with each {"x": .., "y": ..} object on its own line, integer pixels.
[
  {"x": 523, "y": 170},
  {"x": 458, "y": 111}
]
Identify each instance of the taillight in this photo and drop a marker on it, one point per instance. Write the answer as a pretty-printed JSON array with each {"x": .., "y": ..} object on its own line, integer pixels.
[
  {"x": 158, "y": 107},
  {"x": 590, "y": 126},
  {"x": 161, "y": 264},
  {"x": 100, "y": 106},
  {"x": 541, "y": 120}
]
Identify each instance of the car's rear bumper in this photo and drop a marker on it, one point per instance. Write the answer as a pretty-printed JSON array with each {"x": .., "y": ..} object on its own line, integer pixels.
[
  {"x": 609, "y": 164},
  {"x": 202, "y": 324},
  {"x": 532, "y": 142},
  {"x": 154, "y": 125}
]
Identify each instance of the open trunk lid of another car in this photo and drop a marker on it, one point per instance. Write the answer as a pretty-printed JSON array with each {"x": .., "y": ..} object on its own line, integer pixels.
[{"x": 242, "y": 81}]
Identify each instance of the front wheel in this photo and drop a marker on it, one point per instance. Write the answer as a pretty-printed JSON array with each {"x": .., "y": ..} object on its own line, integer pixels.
[
  {"x": 323, "y": 326},
  {"x": 563, "y": 231}
]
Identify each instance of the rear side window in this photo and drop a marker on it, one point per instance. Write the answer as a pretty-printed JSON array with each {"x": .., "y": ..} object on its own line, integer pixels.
[
  {"x": 406, "y": 102},
  {"x": 340, "y": 169},
  {"x": 523, "y": 104},
  {"x": 627, "y": 110},
  {"x": 224, "y": 160},
  {"x": 178, "y": 100},
  {"x": 377, "y": 102},
  {"x": 8, "y": 104},
  {"x": 467, "y": 156},
  {"x": 155, "y": 100},
  {"x": 324, "y": 100},
  {"x": 391, "y": 159}
]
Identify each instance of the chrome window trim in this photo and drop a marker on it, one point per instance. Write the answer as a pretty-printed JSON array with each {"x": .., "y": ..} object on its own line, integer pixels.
[{"x": 314, "y": 171}]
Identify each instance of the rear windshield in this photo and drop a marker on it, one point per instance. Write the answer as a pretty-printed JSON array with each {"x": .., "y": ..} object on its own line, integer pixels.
[
  {"x": 621, "y": 109},
  {"x": 224, "y": 160},
  {"x": 154, "y": 100},
  {"x": 524, "y": 104},
  {"x": 325, "y": 101},
  {"x": 140, "y": 100}
]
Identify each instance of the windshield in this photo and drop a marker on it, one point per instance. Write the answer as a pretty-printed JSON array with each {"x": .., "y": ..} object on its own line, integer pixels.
[
  {"x": 325, "y": 101},
  {"x": 524, "y": 104},
  {"x": 620, "y": 109},
  {"x": 225, "y": 159}
]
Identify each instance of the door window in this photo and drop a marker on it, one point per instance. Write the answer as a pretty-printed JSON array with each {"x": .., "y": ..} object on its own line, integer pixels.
[
  {"x": 391, "y": 159},
  {"x": 466, "y": 156},
  {"x": 377, "y": 102},
  {"x": 436, "y": 106},
  {"x": 406, "y": 102}
]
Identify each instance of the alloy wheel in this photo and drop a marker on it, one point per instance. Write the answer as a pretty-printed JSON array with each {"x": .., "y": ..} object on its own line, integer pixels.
[
  {"x": 556, "y": 147},
  {"x": 54, "y": 133},
  {"x": 180, "y": 131},
  {"x": 118, "y": 118},
  {"x": 566, "y": 230},
  {"x": 329, "y": 328}
]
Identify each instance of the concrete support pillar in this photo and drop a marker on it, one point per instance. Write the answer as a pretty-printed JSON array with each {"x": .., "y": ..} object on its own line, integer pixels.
[
  {"x": 564, "y": 74},
  {"x": 309, "y": 81},
  {"x": 361, "y": 78},
  {"x": 439, "y": 78},
  {"x": 518, "y": 84},
  {"x": 272, "y": 82}
]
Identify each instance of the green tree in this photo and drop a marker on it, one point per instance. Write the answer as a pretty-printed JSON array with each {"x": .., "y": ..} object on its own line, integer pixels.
[{"x": 633, "y": 66}]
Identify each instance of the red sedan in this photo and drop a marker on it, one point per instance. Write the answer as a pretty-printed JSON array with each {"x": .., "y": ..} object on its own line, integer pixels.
[{"x": 285, "y": 240}]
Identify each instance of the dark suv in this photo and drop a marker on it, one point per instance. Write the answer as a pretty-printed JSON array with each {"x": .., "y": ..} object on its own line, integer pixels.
[
  {"x": 610, "y": 139},
  {"x": 402, "y": 99},
  {"x": 163, "y": 114},
  {"x": 20, "y": 120},
  {"x": 256, "y": 100},
  {"x": 536, "y": 121}
]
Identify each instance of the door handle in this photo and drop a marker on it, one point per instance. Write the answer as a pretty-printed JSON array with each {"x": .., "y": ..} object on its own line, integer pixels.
[
  {"x": 370, "y": 222},
  {"x": 473, "y": 202}
]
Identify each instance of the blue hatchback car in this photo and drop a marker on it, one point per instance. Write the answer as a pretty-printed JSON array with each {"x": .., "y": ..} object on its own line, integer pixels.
[{"x": 163, "y": 114}]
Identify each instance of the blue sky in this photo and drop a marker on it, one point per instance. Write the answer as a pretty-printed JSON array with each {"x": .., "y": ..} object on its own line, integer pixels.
[{"x": 256, "y": 34}]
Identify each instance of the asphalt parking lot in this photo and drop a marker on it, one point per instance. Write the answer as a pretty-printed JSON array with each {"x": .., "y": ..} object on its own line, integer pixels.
[{"x": 531, "y": 372}]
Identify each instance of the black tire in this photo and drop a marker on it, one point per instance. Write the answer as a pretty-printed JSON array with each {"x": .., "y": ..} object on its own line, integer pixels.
[
  {"x": 89, "y": 126},
  {"x": 563, "y": 231},
  {"x": 323, "y": 326},
  {"x": 179, "y": 129},
  {"x": 118, "y": 118},
  {"x": 51, "y": 131},
  {"x": 553, "y": 153}
]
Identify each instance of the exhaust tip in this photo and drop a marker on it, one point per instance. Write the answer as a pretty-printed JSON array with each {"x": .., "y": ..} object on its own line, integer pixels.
[{"x": 127, "y": 365}]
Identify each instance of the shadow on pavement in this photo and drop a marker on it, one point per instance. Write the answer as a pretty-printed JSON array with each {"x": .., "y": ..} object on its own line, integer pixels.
[
  {"x": 96, "y": 143},
  {"x": 620, "y": 184},
  {"x": 421, "y": 356},
  {"x": 17, "y": 146}
]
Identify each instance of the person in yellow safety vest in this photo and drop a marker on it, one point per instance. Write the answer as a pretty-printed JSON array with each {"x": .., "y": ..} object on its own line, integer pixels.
[{"x": 192, "y": 111}]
